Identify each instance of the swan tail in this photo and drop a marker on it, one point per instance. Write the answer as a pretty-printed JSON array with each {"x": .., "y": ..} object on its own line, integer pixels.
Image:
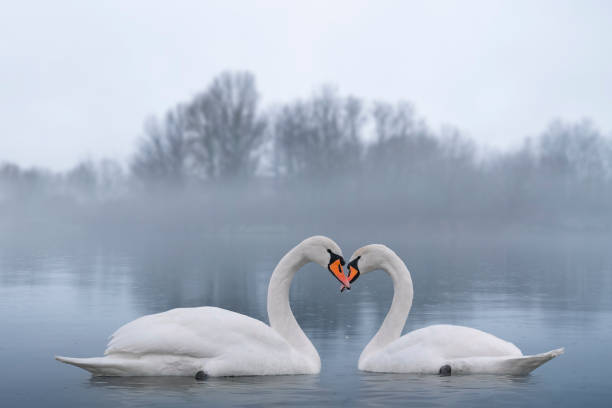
[
  {"x": 125, "y": 365},
  {"x": 97, "y": 366},
  {"x": 525, "y": 364},
  {"x": 512, "y": 365}
]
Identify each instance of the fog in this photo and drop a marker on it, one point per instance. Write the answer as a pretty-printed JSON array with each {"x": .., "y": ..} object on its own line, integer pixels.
[{"x": 222, "y": 162}]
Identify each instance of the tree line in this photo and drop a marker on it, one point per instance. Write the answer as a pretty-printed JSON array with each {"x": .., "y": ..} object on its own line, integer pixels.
[{"x": 336, "y": 157}]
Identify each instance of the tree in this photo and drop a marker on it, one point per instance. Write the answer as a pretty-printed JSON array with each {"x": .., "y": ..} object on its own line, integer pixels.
[
  {"x": 226, "y": 128},
  {"x": 575, "y": 150},
  {"x": 402, "y": 142},
  {"x": 163, "y": 154},
  {"x": 319, "y": 137}
]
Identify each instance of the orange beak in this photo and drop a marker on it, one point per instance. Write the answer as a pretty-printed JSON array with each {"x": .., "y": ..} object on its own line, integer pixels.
[{"x": 336, "y": 269}]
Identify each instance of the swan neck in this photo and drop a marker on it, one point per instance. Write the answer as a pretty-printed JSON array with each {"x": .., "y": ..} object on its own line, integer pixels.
[
  {"x": 279, "y": 310},
  {"x": 392, "y": 326}
]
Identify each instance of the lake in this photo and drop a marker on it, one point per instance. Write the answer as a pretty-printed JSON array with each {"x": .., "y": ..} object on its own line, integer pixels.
[{"x": 538, "y": 290}]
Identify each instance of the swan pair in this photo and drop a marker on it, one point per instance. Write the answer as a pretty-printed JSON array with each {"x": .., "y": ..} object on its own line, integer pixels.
[{"x": 208, "y": 341}]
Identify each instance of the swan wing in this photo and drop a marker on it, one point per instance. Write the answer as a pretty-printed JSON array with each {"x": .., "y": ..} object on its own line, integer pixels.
[
  {"x": 201, "y": 332},
  {"x": 450, "y": 342}
]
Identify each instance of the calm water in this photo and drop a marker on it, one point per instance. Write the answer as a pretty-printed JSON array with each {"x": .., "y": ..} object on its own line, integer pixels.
[{"x": 540, "y": 292}]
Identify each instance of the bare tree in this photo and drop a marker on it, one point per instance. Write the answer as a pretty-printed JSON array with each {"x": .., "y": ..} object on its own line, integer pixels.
[
  {"x": 317, "y": 138},
  {"x": 402, "y": 142},
  {"x": 578, "y": 150},
  {"x": 162, "y": 156},
  {"x": 226, "y": 128}
]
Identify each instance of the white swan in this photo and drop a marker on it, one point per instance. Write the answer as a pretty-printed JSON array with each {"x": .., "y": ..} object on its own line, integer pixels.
[
  {"x": 216, "y": 342},
  {"x": 438, "y": 349}
]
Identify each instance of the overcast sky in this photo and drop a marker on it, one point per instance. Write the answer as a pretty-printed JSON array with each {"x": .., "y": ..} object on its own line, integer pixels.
[{"x": 79, "y": 78}]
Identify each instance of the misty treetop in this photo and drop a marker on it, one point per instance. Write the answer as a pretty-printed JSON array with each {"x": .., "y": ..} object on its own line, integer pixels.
[
  {"x": 216, "y": 136},
  {"x": 223, "y": 158}
]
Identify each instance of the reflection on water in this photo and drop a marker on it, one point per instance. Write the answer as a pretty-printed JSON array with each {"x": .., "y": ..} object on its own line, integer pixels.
[
  {"x": 376, "y": 389},
  {"x": 233, "y": 390},
  {"x": 538, "y": 292}
]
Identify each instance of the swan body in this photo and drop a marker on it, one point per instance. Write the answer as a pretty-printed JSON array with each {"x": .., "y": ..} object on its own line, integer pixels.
[
  {"x": 218, "y": 342},
  {"x": 464, "y": 349},
  {"x": 183, "y": 341},
  {"x": 426, "y": 351}
]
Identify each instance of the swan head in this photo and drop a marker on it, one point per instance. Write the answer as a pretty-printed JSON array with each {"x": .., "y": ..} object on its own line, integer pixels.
[
  {"x": 367, "y": 259},
  {"x": 325, "y": 252}
]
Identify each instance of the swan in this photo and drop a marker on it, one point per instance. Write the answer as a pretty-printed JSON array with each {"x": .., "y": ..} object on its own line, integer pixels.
[
  {"x": 438, "y": 349},
  {"x": 209, "y": 341}
]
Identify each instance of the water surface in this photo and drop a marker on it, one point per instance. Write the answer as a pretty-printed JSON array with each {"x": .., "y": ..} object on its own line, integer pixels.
[{"x": 540, "y": 291}]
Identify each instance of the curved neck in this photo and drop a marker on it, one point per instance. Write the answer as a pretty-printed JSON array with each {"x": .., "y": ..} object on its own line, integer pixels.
[
  {"x": 279, "y": 311},
  {"x": 392, "y": 326}
]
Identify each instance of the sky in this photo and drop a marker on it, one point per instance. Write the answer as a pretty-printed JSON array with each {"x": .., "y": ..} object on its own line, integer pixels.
[{"x": 78, "y": 79}]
